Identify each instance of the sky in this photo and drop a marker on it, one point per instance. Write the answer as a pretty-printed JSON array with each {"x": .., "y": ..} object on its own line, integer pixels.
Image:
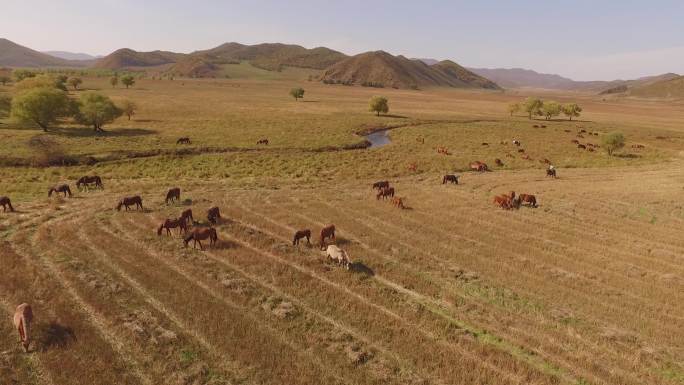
[{"x": 580, "y": 39}]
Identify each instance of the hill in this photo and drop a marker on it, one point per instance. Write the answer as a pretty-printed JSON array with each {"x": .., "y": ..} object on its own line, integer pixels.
[
  {"x": 383, "y": 69},
  {"x": 196, "y": 66},
  {"x": 15, "y": 55},
  {"x": 518, "y": 78},
  {"x": 126, "y": 58},
  {"x": 71, "y": 55},
  {"x": 673, "y": 87}
]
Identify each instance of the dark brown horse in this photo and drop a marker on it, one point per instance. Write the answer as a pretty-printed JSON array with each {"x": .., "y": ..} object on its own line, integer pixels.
[
  {"x": 187, "y": 216},
  {"x": 213, "y": 215},
  {"x": 173, "y": 195},
  {"x": 130, "y": 201},
  {"x": 5, "y": 202},
  {"x": 327, "y": 232},
  {"x": 198, "y": 235},
  {"x": 380, "y": 185},
  {"x": 385, "y": 193},
  {"x": 86, "y": 181},
  {"x": 527, "y": 199},
  {"x": 262, "y": 141},
  {"x": 183, "y": 140},
  {"x": 450, "y": 179},
  {"x": 551, "y": 172},
  {"x": 498, "y": 162},
  {"x": 63, "y": 188},
  {"x": 306, "y": 233},
  {"x": 169, "y": 224}
]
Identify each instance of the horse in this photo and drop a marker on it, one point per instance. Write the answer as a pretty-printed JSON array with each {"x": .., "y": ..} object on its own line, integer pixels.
[
  {"x": 504, "y": 201},
  {"x": 542, "y": 126},
  {"x": 398, "y": 202},
  {"x": 187, "y": 216},
  {"x": 327, "y": 232},
  {"x": 575, "y": 141},
  {"x": 485, "y": 144},
  {"x": 338, "y": 255},
  {"x": 412, "y": 167},
  {"x": 172, "y": 195},
  {"x": 306, "y": 233},
  {"x": 63, "y": 188},
  {"x": 183, "y": 140},
  {"x": 526, "y": 157},
  {"x": 5, "y": 202},
  {"x": 516, "y": 142},
  {"x": 551, "y": 172},
  {"x": 130, "y": 201},
  {"x": 213, "y": 214},
  {"x": 380, "y": 185},
  {"x": 169, "y": 224},
  {"x": 385, "y": 192},
  {"x": 581, "y": 146},
  {"x": 450, "y": 178},
  {"x": 262, "y": 141},
  {"x": 528, "y": 199},
  {"x": 23, "y": 317},
  {"x": 521, "y": 150},
  {"x": 198, "y": 235},
  {"x": 478, "y": 166},
  {"x": 420, "y": 139},
  {"x": 498, "y": 162},
  {"x": 87, "y": 180}
]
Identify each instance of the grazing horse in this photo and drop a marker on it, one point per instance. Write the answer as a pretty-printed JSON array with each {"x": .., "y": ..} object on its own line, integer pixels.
[
  {"x": 23, "y": 317},
  {"x": 412, "y": 167},
  {"x": 385, "y": 192},
  {"x": 485, "y": 144},
  {"x": 498, "y": 162},
  {"x": 130, "y": 201},
  {"x": 398, "y": 202},
  {"x": 327, "y": 232},
  {"x": 450, "y": 178},
  {"x": 478, "y": 166},
  {"x": 521, "y": 150},
  {"x": 183, "y": 140},
  {"x": 306, "y": 233},
  {"x": 63, "y": 188},
  {"x": 528, "y": 199},
  {"x": 169, "y": 224},
  {"x": 443, "y": 150},
  {"x": 5, "y": 202},
  {"x": 187, "y": 216},
  {"x": 516, "y": 142},
  {"x": 262, "y": 141},
  {"x": 172, "y": 195},
  {"x": 87, "y": 180},
  {"x": 551, "y": 172},
  {"x": 574, "y": 141},
  {"x": 213, "y": 214},
  {"x": 581, "y": 146},
  {"x": 338, "y": 255},
  {"x": 198, "y": 235},
  {"x": 380, "y": 185}
]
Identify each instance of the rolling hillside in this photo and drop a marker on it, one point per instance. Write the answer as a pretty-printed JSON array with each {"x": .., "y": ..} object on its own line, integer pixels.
[
  {"x": 71, "y": 55},
  {"x": 126, "y": 58},
  {"x": 668, "y": 88},
  {"x": 15, "y": 55}
]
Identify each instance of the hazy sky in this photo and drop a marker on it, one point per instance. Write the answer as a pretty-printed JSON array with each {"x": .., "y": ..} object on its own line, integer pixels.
[{"x": 581, "y": 39}]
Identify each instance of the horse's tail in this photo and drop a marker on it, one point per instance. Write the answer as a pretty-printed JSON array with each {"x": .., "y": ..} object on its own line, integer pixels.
[{"x": 50, "y": 191}]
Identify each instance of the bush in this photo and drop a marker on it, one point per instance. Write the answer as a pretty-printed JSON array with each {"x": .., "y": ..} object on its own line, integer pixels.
[{"x": 613, "y": 141}]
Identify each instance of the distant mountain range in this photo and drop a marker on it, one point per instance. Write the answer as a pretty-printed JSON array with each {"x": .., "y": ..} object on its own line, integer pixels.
[
  {"x": 15, "y": 55},
  {"x": 71, "y": 55}
]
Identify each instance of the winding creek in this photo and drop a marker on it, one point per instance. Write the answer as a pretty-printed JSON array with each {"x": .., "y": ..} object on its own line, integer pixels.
[{"x": 378, "y": 138}]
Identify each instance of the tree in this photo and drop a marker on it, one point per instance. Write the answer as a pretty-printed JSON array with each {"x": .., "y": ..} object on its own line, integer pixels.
[
  {"x": 533, "y": 106},
  {"x": 4, "y": 80},
  {"x": 571, "y": 110},
  {"x": 379, "y": 104},
  {"x": 75, "y": 82},
  {"x": 40, "y": 81},
  {"x": 96, "y": 110},
  {"x": 127, "y": 80},
  {"x": 513, "y": 108},
  {"x": 21, "y": 74},
  {"x": 5, "y": 105},
  {"x": 114, "y": 81},
  {"x": 551, "y": 110},
  {"x": 129, "y": 108},
  {"x": 41, "y": 106},
  {"x": 613, "y": 141},
  {"x": 297, "y": 93}
]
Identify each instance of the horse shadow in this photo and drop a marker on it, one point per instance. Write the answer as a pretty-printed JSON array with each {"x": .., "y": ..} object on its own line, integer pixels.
[
  {"x": 223, "y": 244},
  {"x": 394, "y": 116},
  {"x": 360, "y": 268},
  {"x": 54, "y": 335}
]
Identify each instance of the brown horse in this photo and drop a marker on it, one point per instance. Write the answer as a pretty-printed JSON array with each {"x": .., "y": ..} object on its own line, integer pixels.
[
  {"x": 187, "y": 216},
  {"x": 327, "y": 232},
  {"x": 398, "y": 202},
  {"x": 527, "y": 199},
  {"x": 503, "y": 201},
  {"x": 173, "y": 195},
  {"x": 306, "y": 233},
  {"x": 412, "y": 167},
  {"x": 575, "y": 141},
  {"x": 23, "y": 317},
  {"x": 130, "y": 201},
  {"x": 198, "y": 235},
  {"x": 380, "y": 185},
  {"x": 385, "y": 193},
  {"x": 450, "y": 178},
  {"x": 86, "y": 181},
  {"x": 551, "y": 172},
  {"x": 183, "y": 140},
  {"x": 262, "y": 141},
  {"x": 498, "y": 162},
  {"x": 5, "y": 202},
  {"x": 581, "y": 147},
  {"x": 478, "y": 166},
  {"x": 63, "y": 188},
  {"x": 169, "y": 224},
  {"x": 213, "y": 214}
]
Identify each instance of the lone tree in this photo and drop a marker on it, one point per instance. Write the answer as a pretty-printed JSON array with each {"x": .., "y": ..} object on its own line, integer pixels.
[
  {"x": 533, "y": 106},
  {"x": 572, "y": 110},
  {"x": 127, "y": 80},
  {"x": 613, "y": 141},
  {"x": 551, "y": 110},
  {"x": 129, "y": 108},
  {"x": 75, "y": 82},
  {"x": 514, "y": 108},
  {"x": 96, "y": 110},
  {"x": 379, "y": 104},
  {"x": 4, "y": 80},
  {"x": 41, "y": 106},
  {"x": 114, "y": 81},
  {"x": 21, "y": 74},
  {"x": 297, "y": 93}
]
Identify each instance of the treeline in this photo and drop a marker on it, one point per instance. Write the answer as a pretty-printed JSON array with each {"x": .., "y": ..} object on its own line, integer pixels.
[{"x": 547, "y": 109}]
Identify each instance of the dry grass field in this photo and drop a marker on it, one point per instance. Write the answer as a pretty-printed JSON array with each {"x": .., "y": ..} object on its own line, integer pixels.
[{"x": 585, "y": 289}]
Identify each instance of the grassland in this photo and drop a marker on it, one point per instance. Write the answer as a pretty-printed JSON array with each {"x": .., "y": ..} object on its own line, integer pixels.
[{"x": 585, "y": 289}]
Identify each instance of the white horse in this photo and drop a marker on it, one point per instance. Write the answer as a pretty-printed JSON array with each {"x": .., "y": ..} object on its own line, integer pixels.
[
  {"x": 338, "y": 255},
  {"x": 22, "y": 321}
]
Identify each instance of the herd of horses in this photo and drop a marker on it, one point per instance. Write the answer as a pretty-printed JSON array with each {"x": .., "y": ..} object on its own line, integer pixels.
[
  {"x": 386, "y": 191},
  {"x": 510, "y": 201}
]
